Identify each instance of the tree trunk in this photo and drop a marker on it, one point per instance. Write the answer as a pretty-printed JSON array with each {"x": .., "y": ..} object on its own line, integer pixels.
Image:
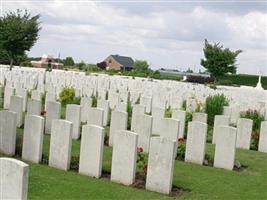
[{"x": 11, "y": 64}]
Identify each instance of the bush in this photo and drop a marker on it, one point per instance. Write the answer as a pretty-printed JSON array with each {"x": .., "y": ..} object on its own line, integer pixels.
[
  {"x": 257, "y": 118},
  {"x": 214, "y": 106},
  {"x": 200, "y": 79},
  {"x": 181, "y": 149},
  {"x": 67, "y": 95},
  {"x": 224, "y": 82}
]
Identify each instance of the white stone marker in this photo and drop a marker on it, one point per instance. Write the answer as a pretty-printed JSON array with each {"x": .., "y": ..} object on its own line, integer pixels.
[
  {"x": 147, "y": 102},
  {"x": 121, "y": 106},
  {"x": 113, "y": 98},
  {"x": 14, "y": 179},
  {"x": 118, "y": 122},
  {"x": 169, "y": 128},
  {"x": 219, "y": 120},
  {"x": 144, "y": 130},
  {"x": 49, "y": 97},
  {"x": 60, "y": 144},
  {"x": 227, "y": 110},
  {"x": 53, "y": 112},
  {"x": 124, "y": 155},
  {"x": 180, "y": 115},
  {"x": 137, "y": 110},
  {"x": 244, "y": 131},
  {"x": 8, "y": 93},
  {"x": 86, "y": 103},
  {"x": 73, "y": 114},
  {"x": 263, "y": 137},
  {"x": 36, "y": 95},
  {"x": 16, "y": 105},
  {"x": 158, "y": 115},
  {"x": 33, "y": 138},
  {"x": 200, "y": 117},
  {"x": 24, "y": 94},
  {"x": 160, "y": 165},
  {"x": 104, "y": 105},
  {"x": 196, "y": 142},
  {"x": 91, "y": 154},
  {"x": 235, "y": 114},
  {"x": 95, "y": 116},
  {"x": 34, "y": 107},
  {"x": 225, "y": 148},
  {"x": 8, "y": 121}
]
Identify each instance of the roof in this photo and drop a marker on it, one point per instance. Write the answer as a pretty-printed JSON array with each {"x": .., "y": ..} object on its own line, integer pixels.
[{"x": 127, "y": 62}]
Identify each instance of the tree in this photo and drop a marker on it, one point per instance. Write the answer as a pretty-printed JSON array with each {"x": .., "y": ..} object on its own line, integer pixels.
[
  {"x": 18, "y": 33},
  {"x": 218, "y": 60},
  {"x": 68, "y": 62},
  {"x": 141, "y": 66}
]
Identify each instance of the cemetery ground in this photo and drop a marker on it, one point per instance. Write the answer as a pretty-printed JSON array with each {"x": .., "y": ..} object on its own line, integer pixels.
[{"x": 197, "y": 182}]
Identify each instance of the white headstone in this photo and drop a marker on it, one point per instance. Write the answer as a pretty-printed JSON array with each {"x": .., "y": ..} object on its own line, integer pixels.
[
  {"x": 196, "y": 142},
  {"x": 263, "y": 137},
  {"x": 160, "y": 165},
  {"x": 73, "y": 114},
  {"x": 33, "y": 138},
  {"x": 52, "y": 112},
  {"x": 60, "y": 144},
  {"x": 8, "y": 121},
  {"x": 180, "y": 115},
  {"x": 91, "y": 154},
  {"x": 104, "y": 105},
  {"x": 219, "y": 120},
  {"x": 244, "y": 131},
  {"x": 14, "y": 179},
  {"x": 124, "y": 155},
  {"x": 200, "y": 117},
  {"x": 8, "y": 93},
  {"x": 118, "y": 122},
  {"x": 16, "y": 105},
  {"x": 95, "y": 116},
  {"x": 34, "y": 107},
  {"x": 225, "y": 148}
]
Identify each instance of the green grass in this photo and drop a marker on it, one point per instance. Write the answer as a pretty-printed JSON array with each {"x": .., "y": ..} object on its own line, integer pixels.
[{"x": 200, "y": 182}]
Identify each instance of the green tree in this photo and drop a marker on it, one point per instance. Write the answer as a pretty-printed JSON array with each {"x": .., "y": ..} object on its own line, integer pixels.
[
  {"x": 18, "y": 33},
  {"x": 219, "y": 60},
  {"x": 68, "y": 62},
  {"x": 141, "y": 66}
]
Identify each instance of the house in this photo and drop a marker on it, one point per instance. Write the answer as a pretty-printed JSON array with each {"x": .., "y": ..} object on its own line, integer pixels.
[
  {"x": 118, "y": 62},
  {"x": 45, "y": 61}
]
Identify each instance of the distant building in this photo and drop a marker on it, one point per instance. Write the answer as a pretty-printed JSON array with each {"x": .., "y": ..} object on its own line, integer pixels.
[
  {"x": 45, "y": 61},
  {"x": 117, "y": 62}
]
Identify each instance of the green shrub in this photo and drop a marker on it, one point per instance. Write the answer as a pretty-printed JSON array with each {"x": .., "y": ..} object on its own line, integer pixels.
[
  {"x": 224, "y": 82},
  {"x": 94, "y": 101},
  {"x": 181, "y": 149},
  {"x": 257, "y": 118},
  {"x": 67, "y": 96},
  {"x": 214, "y": 106}
]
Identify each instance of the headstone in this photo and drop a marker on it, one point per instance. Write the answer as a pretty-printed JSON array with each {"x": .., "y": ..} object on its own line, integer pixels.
[
  {"x": 147, "y": 102},
  {"x": 14, "y": 179},
  {"x": 8, "y": 122},
  {"x": 36, "y": 95},
  {"x": 104, "y": 105},
  {"x": 121, "y": 106},
  {"x": 60, "y": 144},
  {"x": 16, "y": 105},
  {"x": 53, "y": 112},
  {"x": 160, "y": 165},
  {"x": 158, "y": 115},
  {"x": 124, "y": 155},
  {"x": 73, "y": 114},
  {"x": 136, "y": 111},
  {"x": 95, "y": 116},
  {"x": 113, "y": 98},
  {"x": 219, "y": 120},
  {"x": 227, "y": 110},
  {"x": 33, "y": 138},
  {"x": 143, "y": 128},
  {"x": 24, "y": 94},
  {"x": 8, "y": 93},
  {"x": 235, "y": 114},
  {"x": 196, "y": 142},
  {"x": 86, "y": 103},
  {"x": 49, "y": 97},
  {"x": 200, "y": 117},
  {"x": 34, "y": 107},
  {"x": 180, "y": 115},
  {"x": 118, "y": 122},
  {"x": 169, "y": 128},
  {"x": 91, "y": 154},
  {"x": 225, "y": 148},
  {"x": 263, "y": 137},
  {"x": 244, "y": 131}
]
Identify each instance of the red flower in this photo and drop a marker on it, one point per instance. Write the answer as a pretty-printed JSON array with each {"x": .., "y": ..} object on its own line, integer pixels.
[
  {"x": 140, "y": 149},
  {"x": 257, "y": 136},
  {"x": 180, "y": 139}
]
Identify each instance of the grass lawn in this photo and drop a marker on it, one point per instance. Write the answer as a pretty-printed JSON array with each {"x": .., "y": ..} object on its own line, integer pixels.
[{"x": 200, "y": 182}]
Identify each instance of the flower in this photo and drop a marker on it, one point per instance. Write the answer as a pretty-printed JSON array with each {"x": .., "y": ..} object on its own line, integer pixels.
[
  {"x": 180, "y": 139},
  {"x": 140, "y": 149}
]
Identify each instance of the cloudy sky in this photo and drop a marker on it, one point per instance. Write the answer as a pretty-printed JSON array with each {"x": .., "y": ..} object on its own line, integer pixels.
[{"x": 168, "y": 34}]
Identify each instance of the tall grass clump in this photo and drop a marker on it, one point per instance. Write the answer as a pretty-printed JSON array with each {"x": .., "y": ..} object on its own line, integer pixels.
[{"x": 214, "y": 106}]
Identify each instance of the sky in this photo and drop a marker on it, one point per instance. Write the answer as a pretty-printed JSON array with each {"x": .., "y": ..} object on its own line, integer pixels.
[{"x": 168, "y": 34}]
